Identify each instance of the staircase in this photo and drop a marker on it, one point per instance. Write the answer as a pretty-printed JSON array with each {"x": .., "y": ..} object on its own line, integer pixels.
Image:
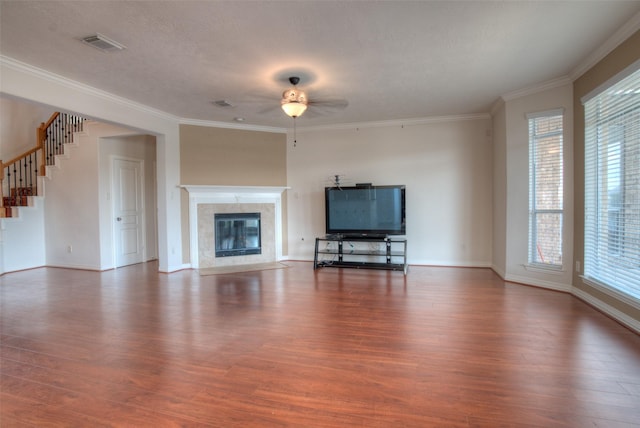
[{"x": 19, "y": 180}]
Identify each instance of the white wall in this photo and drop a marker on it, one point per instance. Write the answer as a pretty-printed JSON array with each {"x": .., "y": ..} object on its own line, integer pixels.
[
  {"x": 33, "y": 84},
  {"x": 79, "y": 221},
  {"x": 19, "y": 123},
  {"x": 73, "y": 204},
  {"x": 22, "y": 243},
  {"x": 517, "y": 184},
  {"x": 445, "y": 164}
]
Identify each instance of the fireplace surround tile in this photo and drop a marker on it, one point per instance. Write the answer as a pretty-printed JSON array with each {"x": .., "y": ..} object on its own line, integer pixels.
[
  {"x": 206, "y": 234},
  {"x": 206, "y": 200}
]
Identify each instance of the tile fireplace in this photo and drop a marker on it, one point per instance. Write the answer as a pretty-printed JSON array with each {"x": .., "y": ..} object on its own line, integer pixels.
[{"x": 205, "y": 202}]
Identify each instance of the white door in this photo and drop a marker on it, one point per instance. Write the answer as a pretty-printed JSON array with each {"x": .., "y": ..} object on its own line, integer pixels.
[{"x": 128, "y": 210}]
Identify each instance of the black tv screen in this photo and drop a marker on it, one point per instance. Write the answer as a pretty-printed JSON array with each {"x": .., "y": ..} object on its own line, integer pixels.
[{"x": 365, "y": 210}]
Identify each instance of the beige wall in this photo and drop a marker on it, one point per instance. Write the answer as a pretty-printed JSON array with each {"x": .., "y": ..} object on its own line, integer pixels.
[
  {"x": 230, "y": 157},
  {"x": 620, "y": 58},
  {"x": 445, "y": 164},
  {"x": 499, "y": 262}
]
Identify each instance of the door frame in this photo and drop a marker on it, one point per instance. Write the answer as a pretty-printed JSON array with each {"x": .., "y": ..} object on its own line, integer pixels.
[{"x": 143, "y": 221}]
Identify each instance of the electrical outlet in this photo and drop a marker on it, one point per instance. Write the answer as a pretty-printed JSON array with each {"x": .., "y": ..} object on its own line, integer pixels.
[
  {"x": 577, "y": 266},
  {"x": 69, "y": 249}
]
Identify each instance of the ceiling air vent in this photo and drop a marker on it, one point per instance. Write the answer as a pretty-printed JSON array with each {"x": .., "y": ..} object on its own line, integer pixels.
[{"x": 103, "y": 43}]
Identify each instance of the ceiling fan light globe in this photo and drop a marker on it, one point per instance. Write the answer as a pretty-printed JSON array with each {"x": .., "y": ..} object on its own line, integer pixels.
[{"x": 294, "y": 108}]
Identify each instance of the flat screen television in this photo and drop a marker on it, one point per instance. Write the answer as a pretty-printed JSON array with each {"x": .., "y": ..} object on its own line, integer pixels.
[{"x": 365, "y": 210}]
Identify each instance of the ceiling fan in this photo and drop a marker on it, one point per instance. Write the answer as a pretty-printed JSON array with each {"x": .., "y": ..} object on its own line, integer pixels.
[{"x": 294, "y": 101}]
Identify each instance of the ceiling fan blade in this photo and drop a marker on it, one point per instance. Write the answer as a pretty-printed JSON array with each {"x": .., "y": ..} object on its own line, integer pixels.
[
  {"x": 269, "y": 109},
  {"x": 335, "y": 103},
  {"x": 270, "y": 102},
  {"x": 325, "y": 107}
]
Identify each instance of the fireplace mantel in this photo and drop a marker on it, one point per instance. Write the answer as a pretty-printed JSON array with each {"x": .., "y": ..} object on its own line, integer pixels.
[
  {"x": 240, "y": 191},
  {"x": 213, "y": 194}
]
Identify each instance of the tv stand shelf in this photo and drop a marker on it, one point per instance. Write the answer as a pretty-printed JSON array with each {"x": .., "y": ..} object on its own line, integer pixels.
[{"x": 361, "y": 253}]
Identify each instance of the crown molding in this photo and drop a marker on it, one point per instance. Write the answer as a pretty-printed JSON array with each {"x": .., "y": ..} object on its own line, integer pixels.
[
  {"x": 81, "y": 87},
  {"x": 228, "y": 125},
  {"x": 622, "y": 34},
  {"x": 544, "y": 86},
  {"x": 396, "y": 123},
  {"x": 342, "y": 126}
]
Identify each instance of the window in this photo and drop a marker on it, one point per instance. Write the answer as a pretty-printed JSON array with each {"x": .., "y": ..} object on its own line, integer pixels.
[
  {"x": 612, "y": 187},
  {"x": 545, "y": 189}
]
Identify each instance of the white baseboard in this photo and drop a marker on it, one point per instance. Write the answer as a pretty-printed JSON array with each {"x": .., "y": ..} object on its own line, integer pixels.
[
  {"x": 74, "y": 266},
  {"x": 439, "y": 263},
  {"x": 177, "y": 268},
  {"x": 614, "y": 313},
  {"x": 557, "y": 286},
  {"x": 500, "y": 272},
  {"x": 608, "y": 310}
]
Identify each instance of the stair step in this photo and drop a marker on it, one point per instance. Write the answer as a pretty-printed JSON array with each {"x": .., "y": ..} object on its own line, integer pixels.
[
  {"x": 19, "y": 198},
  {"x": 22, "y": 191},
  {"x": 11, "y": 206},
  {"x": 15, "y": 201}
]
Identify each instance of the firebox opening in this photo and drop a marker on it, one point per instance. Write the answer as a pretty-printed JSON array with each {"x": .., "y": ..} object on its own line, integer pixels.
[{"x": 237, "y": 234}]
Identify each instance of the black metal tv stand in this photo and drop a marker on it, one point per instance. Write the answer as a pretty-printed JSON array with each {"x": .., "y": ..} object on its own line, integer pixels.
[{"x": 361, "y": 252}]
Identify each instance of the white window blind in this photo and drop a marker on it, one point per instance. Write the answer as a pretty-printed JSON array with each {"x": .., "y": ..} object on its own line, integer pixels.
[
  {"x": 612, "y": 187},
  {"x": 545, "y": 189}
]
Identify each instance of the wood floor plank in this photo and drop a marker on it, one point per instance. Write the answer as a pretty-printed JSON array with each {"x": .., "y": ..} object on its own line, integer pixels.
[{"x": 297, "y": 347}]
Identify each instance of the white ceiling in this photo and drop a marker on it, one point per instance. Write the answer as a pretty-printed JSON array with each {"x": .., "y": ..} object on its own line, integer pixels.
[{"x": 391, "y": 60}]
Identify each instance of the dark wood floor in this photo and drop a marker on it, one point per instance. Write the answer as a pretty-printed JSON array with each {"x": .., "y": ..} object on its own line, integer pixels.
[{"x": 293, "y": 347}]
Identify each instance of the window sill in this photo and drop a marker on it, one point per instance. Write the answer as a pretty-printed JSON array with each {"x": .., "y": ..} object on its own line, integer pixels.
[
  {"x": 553, "y": 270},
  {"x": 610, "y": 291}
]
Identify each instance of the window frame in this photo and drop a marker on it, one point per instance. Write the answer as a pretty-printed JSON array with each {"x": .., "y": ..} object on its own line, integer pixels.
[
  {"x": 605, "y": 263},
  {"x": 533, "y": 238}
]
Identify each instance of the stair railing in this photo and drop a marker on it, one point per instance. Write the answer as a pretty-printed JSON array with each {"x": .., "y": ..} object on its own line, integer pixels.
[
  {"x": 19, "y": 178},
  {"x": 57, "y": 132}
]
